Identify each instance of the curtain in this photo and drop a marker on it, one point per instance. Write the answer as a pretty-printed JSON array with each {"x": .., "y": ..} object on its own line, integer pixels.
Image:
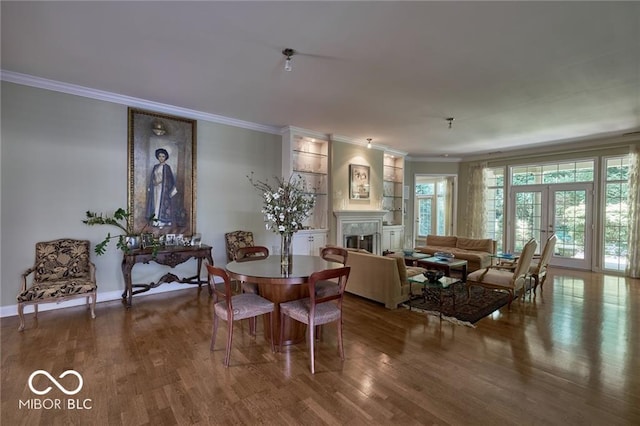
[
  {"x": 476, "y": 205},
  {"x": 633, "y": 256}
]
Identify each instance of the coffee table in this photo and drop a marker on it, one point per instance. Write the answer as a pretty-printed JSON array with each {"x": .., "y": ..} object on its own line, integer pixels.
[
  {"x": 433, "y": 291},
  {"x": 412, "y": 260},
  {"x": 444, "y": 265}
]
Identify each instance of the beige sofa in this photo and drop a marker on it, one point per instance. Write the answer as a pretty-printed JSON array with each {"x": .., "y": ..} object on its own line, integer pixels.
[
  {"x": 380, "y": 278},
  {"x": 477, "y": 252}
]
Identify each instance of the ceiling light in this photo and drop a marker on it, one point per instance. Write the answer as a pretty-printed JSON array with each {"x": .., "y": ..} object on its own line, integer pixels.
[
  {"x": 369, "y": 143},
  {"x": 450, "y": 120},
  {"x": 288, "y": 53}
]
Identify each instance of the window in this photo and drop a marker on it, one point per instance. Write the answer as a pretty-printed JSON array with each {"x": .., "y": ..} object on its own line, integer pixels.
[
  {"x": 434, "y": 211},
  {"x": 569, "y": 172},
  {"x": 495, "y": 205},
  {"x": 616, "y": 217}
]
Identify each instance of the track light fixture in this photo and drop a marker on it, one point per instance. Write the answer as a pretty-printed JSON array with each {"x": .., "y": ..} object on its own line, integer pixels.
[
  {"x": 369, "y": 143},
  {"x": 288, "y": 53}
]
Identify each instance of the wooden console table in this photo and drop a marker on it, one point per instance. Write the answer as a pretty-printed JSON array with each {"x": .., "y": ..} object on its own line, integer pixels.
[{"x": 170, "y": 256}]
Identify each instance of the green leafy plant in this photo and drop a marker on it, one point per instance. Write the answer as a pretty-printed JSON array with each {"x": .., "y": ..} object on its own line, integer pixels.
[{"x": 119, "y": 219}]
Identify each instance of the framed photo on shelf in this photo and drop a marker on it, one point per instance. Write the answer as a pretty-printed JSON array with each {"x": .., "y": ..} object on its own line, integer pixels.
[
  {"x": 359, "y": 182},
  {"x": 161, "y": 171}
]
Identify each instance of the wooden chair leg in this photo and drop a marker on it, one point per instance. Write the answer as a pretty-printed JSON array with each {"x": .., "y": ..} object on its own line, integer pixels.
[
  {"x": 93, "y": 305},
  {"x": 311, "y": 346},
  {"x": 340, "y": 345},
  {"x": 21, "y": 315},
  {"x": 214, "y": 332},
  {"x": 252, "y": 326},
  {"x": 271, "y": 327},
  {"x": 229, "y": 341},
  {"x": 281, "y": 337}
]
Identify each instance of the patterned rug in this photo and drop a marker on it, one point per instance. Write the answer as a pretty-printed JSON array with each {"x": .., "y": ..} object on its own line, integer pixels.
[{"x": 468, "y": 310}]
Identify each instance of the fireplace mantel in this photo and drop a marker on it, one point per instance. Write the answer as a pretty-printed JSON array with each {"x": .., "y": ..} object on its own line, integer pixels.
[{"x": 354, "y": 222}]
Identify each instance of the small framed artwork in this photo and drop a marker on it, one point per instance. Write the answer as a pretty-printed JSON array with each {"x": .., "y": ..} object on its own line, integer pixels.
[
  {"x": 161, "y": 173},
  {"x": 180, "y": 239},
  {"x": 359, "y": 182},
  {"x": 170, "y": 239}
]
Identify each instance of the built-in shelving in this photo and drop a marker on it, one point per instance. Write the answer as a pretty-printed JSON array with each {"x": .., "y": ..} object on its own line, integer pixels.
[
  {"x": 307, "y": 154},
  {"x": 392, "y": 189}
]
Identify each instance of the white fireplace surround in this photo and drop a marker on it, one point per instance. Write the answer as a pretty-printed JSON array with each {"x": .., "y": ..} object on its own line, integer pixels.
[{"x": 360, "y": 222}]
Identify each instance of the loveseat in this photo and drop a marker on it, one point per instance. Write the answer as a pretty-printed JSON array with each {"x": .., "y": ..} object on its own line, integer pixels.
[
  {"x": 380, "y": 278},
  {"x": 476, "y": 251}
]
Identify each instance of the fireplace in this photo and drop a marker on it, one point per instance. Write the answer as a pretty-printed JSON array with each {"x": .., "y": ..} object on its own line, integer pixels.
[
  {"x": 366, "y": 242},
  {"x": 360, "y": 229}
]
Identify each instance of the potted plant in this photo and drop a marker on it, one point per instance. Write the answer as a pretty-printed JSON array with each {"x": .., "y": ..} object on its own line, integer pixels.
[{"x": 127, "y": 240}]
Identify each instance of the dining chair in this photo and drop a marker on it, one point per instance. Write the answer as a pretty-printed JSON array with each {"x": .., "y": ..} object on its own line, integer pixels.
[
  {"x": 235, "y": 308},
  {"x": 315, "y": 310},
  {"x": 331, "y": 254},
  {"x": 248, "y": 254},
  {"x": 496, "y": 277},
  {"x": 538, "y": 267}
]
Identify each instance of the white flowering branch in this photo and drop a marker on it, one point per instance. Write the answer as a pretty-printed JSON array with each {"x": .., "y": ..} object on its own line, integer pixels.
[{"x": 286, "y": 204}]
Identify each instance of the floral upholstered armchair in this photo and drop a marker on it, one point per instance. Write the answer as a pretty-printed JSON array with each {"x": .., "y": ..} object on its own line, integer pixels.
[
  {"x": 235, "y": 240},
  {"x": 62, "y": 271}
]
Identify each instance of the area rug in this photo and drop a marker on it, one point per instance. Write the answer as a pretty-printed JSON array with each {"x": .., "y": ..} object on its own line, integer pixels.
[{"x": 468, "y": 311}]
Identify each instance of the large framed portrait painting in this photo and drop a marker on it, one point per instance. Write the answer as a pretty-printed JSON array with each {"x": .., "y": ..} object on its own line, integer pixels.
[
  {"x": 359, "y": 180},
  {"x": 161, "y": 173}
]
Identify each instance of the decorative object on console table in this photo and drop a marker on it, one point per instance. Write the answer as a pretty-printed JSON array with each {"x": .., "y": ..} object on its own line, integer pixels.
[{"x": 286, "y": 206}]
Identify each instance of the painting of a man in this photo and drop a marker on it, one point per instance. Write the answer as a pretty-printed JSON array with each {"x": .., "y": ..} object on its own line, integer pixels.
[{"x": 161, "y": 190}]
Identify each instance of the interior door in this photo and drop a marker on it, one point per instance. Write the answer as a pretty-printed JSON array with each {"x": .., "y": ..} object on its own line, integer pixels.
[{"x": 538, "y": 211}]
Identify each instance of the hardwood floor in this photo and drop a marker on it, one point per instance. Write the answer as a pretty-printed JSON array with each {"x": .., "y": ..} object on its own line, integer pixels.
[{"x": 570, "y": 356}]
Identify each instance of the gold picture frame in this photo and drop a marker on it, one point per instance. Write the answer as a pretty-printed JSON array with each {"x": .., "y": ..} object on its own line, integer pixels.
[{"x": 161, "y": 173}]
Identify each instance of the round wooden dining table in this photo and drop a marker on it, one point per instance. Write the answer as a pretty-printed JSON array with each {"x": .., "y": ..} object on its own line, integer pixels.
[{"x": 278, "y": 285}]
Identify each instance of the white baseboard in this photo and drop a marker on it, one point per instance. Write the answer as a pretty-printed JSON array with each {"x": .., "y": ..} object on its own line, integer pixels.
[{"x": 12, "y": 310}]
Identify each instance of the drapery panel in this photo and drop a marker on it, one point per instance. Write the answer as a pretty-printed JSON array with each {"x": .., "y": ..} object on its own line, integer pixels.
[
  {"x": 476, "y": 201},
  {"x": 633, "y": 256}
]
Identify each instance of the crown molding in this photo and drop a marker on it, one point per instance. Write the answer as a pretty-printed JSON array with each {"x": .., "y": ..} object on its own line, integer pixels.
[
  {"x": 72, "y": 89},
  {"x": 427, "y": 159}
]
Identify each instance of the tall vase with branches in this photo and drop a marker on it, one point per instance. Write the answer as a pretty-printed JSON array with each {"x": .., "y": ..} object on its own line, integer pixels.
[{"x": 286, "y": 205}]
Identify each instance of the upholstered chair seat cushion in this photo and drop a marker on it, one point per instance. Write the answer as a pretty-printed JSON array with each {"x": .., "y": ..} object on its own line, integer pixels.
[
  {"x": 494, "y": 276},
  {"x": 54, "y": 289},
  {"x": 299, "y": 310},
  {"x": 245, "y": 305}
]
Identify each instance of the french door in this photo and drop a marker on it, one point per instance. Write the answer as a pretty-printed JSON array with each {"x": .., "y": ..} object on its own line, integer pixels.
[{"x": 538, "y": 211}]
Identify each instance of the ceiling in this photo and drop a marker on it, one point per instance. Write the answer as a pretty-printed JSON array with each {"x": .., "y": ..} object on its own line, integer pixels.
[{"x": 514, "y": 75}]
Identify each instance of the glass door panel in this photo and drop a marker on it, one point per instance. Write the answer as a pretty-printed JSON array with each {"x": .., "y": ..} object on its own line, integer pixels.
[{"x": 538, "y": 211}]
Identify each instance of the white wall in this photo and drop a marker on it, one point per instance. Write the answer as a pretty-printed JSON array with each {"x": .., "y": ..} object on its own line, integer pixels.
[{"x": 62, "y": 155}]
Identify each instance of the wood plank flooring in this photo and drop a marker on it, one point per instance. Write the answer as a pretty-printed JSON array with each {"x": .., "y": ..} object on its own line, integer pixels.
[{"x": 571, "y": 356}]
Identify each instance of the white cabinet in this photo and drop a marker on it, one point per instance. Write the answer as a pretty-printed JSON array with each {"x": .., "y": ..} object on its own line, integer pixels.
[
  {"x": 392, "y": 189},
  {"x": 392, "y": 238},
  {"x": 306, "y": 154},
  {"x": 309, "y": 242}
]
